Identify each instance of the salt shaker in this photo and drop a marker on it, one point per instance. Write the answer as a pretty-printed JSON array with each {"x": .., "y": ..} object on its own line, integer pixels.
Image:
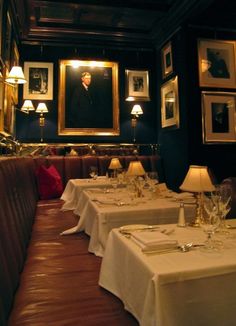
[{"x": 181, "y": 219}]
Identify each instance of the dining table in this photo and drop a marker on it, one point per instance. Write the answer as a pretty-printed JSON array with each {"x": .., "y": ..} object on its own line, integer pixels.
[
  {"x": 196, "y": 287},
  {"x": 100, "y": 209}
]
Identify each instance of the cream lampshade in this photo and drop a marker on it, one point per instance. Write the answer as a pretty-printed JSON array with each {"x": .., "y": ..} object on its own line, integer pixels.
[
  {"x": 197, "y": 180},
  {"x": 16, "y": 76},
  {"x": 136, "y": 110},
  {"x": 27, "y": 106},
  {"x": 115, "y": 165},
  {"x": 41, "y": 108},
  {"x": 135, "y": 169}
]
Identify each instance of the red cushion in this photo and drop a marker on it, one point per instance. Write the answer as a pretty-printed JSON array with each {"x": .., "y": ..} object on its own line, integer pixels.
[{"x": 49, "y": 182}]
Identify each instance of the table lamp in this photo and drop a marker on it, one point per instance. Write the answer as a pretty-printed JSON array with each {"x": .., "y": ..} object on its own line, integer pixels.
[
  {"x": 115, "y": 165},
  {"x": 197, "y": 180},
  {"x": 136, "y": 170}
]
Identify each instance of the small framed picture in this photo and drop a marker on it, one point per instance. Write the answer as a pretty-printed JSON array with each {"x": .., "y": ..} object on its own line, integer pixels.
[
  {"x": 167, "y": 63},
  {"x": 170, "y": 104},
  {"x": 216, "y": 63},
  {"x": 39, "y": 76},
  {"x": 137, "y": 85},
  {"x": 218, "y": 117}
]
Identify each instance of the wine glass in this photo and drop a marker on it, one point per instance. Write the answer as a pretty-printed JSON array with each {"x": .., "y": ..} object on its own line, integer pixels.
[
  {"x": 93, "y": 172},
  {"x": 114, "y": 182},
  {"x": 224, "y": 205},
  {"x": 209, "y": 222}
]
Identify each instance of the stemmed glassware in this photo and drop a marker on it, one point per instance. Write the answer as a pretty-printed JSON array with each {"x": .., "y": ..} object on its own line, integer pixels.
[
  {"x": 114, "y": 182},
  {"x": 209, "y": 222},
  {"x": 93, "y": 172},
  {"x": 222, "y": 199}
]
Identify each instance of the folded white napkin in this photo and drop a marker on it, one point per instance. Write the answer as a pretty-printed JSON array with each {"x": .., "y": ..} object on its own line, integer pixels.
[{"x": 154, "y": 240}]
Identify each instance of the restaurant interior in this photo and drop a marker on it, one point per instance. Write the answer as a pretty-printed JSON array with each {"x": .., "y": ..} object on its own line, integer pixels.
[{"x": 117, "y": 124}]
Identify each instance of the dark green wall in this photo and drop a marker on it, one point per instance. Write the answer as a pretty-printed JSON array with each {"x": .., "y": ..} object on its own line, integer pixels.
[{"x": 27, "y": 126}]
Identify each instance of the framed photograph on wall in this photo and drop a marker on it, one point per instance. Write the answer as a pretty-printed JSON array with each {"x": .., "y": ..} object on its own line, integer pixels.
[
  {"x": 218, "y": 117},
  {"x": 88, "y": 98},
  {"x": 166, "y": 57},
  {"x": 170, "y": 104},
  {"x": 39, "y": 76},
  {"x": 137, "y": 85},
  {"x": 216, "y": 63}
]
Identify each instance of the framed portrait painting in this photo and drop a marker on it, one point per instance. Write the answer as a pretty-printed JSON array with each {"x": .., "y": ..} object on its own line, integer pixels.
[
  {"x": 167, "y": 63},
  {"x": 218, "y": 117},
  {"x": 170, "y": 104},
  {"x": 216, "y": 63},
  {"x": 88, "y": 98},
  {"x": 137, "y": 85},
  {"x": 40, "y": 81}
]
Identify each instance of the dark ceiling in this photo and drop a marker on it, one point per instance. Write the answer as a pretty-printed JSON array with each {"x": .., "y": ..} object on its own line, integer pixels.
[{"x": 132, "y": 22}]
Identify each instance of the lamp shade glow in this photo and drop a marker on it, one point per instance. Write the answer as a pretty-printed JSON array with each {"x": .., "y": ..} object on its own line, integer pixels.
[
  {"x": 16, "y": 76},
  {"x": 27, "y": 106},
  {"x": 137, "y": 110},
  {"x": 135, "y": 169},
  {"x": 115, "y": 164},
  {"x": 197, "y": 180},
  {"x": 41, "y": 108}
]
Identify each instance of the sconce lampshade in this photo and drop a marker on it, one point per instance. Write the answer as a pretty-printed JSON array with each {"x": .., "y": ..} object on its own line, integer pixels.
[
  {"x": 135, "y": 169},
  {"x": 41, "y": 108},
  {"x": 197, "y": 180},
  {"x": 16, "y": 76},
  {"x": 27, "y": 106},
  {"x": 137, "y": 110},
  {"x": 115, "y": 164}
]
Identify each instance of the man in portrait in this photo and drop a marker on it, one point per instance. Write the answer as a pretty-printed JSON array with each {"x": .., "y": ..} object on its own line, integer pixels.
[
  {"x": 220, "y": 118},
  {"x": 88, "y": 105},
  {"x": 218, "y": 65}
]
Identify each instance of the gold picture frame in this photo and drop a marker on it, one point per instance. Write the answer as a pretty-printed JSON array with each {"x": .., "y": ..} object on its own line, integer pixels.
[
  {"x": 216, "y": 63},
  {"x": 167, "y": 61},
  {"x": 40, "y": 81},
  {"x": 218, "y": 117},
  {"x": 103, "y": 119},
  {"x": 137, "y": 85},
  {"x": 170, "y": 104}
]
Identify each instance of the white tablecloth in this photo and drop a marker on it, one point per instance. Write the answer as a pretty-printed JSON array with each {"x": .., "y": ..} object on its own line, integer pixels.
[
  {"x": 174, "y": 289},
  {"x": 98, "y": 218},
  {"x": 74, "y": 187}
]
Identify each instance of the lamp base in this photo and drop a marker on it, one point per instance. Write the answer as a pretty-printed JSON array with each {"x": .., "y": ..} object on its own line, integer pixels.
[{"x": 196, "y": 222}]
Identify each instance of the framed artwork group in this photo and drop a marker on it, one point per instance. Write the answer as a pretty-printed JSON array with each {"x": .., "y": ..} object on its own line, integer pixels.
[
  {"x": 169, "y": 91},
  {"x": 217, "y": 69}
]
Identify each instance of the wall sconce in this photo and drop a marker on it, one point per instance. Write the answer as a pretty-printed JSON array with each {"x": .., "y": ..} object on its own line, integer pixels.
[
  {"x": 41, "y": 109},
  {"x": 136, "y": 112},
  {"x": 16, "y": 76},
  {"x": 197, "y": 180},
  {"x": 27, "y": 106}
]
